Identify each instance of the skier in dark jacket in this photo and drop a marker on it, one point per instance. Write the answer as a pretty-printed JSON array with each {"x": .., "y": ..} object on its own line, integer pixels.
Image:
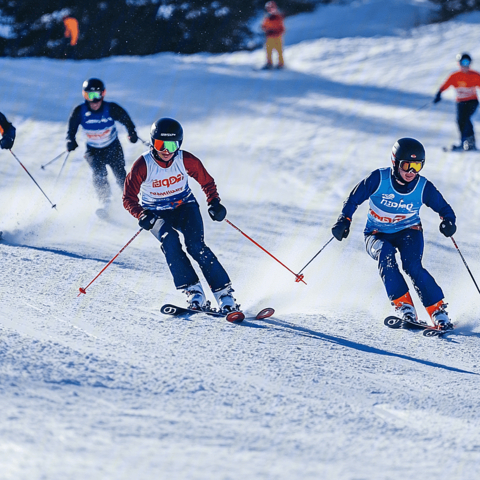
[
  {"x": 98, "y": 117},
  {"x": 8, "y": 133},
  {"x": 393, "y": 224},
  {"x": 167, "y": 206}
]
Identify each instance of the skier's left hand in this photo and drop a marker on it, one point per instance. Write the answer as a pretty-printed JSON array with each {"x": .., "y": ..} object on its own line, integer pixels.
[
  {"x": 147, "y": 219},
  {"x": 6, "y": 142},
  {"x": 216, "y": 210},
  {"x": 438, "y": 97},
  {"x": 448, "y": 227},
  {"x": 133, "y": 137}
]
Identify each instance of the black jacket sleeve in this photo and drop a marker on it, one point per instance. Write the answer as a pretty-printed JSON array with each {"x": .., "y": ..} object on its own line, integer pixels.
[
  {"x": 74, "y": 123},
  {"x": 360, "y": 193},
  {"x": 8, "y": 130},
  {"x": 119, "y": 114},
  {"x": 433, "y": 198}
]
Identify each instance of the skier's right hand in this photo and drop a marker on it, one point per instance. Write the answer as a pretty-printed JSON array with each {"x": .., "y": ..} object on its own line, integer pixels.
[
  {"x": 71, "y": 145},
  {"x": 6, "y": 142},
  {"x": 438, "y": 97},
  {"x": 147, "y": 219},
  {"x": 342, "y": 228}
]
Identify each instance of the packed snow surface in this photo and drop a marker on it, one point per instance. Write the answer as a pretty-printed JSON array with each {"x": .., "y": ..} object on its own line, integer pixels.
[{"x": 105, "y": 387}]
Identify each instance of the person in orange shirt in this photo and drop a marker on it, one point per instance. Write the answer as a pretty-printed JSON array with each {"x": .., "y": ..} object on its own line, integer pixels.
[
  {"x": 465, "y": 82},
  {"x": 71, "y": 35},
  {"x": 273, "y": 27}
]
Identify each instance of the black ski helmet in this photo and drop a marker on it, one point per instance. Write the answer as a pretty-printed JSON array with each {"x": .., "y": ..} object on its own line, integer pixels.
[
  {"x": 464, "y": 56},
  {"x": 406, "y": 149},
  {"x": 166, "y": 129},
  {"x": 93, "y": 85}
]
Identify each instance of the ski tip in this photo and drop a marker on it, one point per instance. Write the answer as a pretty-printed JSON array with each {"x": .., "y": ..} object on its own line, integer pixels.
[
  {"x": 235, "y": 317},
  {"x": 265, "y": 313}
]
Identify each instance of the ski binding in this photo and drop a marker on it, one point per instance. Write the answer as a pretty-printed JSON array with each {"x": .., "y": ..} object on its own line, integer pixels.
[{"x": 428, "y": 330}]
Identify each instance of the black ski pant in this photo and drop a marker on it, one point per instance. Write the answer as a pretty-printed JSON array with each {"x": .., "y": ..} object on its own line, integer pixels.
[
  {"x": 98, "y": 159},
  {"x": 465, "y": 110},
  {"x": 187, "y": 220}
]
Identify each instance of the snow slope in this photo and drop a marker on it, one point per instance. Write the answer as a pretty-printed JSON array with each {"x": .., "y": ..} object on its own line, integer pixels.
[{"x": 105, "y": 387}]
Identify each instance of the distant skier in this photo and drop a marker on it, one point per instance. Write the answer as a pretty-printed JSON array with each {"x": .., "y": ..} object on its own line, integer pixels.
[
  {"x": 393, "y": 224},
  {"x": 97, "y": 117},
  {"x": 167, "y": 206},
  {"x": 274, "y": 28},
  {"x": 465, "y": 82},
  {"x": 8, "y": 133}
]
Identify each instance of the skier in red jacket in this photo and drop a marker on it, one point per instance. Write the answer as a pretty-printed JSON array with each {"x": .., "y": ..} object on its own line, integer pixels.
[{"x": 167, "y": 206}]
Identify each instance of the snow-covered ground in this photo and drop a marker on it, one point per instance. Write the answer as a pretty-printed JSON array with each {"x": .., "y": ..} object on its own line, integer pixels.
[{"x": 105, "y": 387}]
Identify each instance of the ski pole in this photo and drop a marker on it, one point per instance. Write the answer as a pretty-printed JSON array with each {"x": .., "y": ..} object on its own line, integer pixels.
[
  {"x": 34, "y": 181},
  {"x": 416, "y": 110},
  {"x": 84, "y": 290},
  {"x": 465, "y": 263},
  {"x": 51, "y": 161},
  {"x": 63, "y": 164},
  {"x": 298, "y": 279},
  {"x": 144, "y": 142},
  {"x": 299, "y": 276}
]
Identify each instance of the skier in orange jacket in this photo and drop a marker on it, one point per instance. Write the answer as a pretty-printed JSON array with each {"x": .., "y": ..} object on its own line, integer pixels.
[
  {"x": 71, "y": 35},
  {"x": 465, "y": 82},
  {"x": 274, "y": 28}
]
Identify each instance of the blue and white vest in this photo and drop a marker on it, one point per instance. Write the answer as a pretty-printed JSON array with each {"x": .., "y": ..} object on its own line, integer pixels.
[
  {"x": 391, "y": 211},
  {"x": 165, "y": 188},
  {"x": 99, "y": 126}
]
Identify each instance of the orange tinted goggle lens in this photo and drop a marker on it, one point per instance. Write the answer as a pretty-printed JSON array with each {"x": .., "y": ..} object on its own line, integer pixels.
[
  {"x": 407, "y": 166},
  {"x": 161, "y": 145}
]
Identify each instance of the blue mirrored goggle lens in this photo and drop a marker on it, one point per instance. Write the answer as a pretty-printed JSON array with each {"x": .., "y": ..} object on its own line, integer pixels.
[{"x": 465, "y": 62}]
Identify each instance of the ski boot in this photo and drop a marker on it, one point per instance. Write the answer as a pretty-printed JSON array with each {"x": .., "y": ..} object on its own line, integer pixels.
[
  {"x": 196, "y": 297},
  {"x": 227, "y": 305},
  {"x": 440, "y": 317},
  {"x": 405, "y": 310},
  {"x": 469, "y": 144}
]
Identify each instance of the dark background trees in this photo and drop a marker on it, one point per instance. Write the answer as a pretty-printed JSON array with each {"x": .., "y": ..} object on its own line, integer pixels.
[{"x": 135, "y": 27}]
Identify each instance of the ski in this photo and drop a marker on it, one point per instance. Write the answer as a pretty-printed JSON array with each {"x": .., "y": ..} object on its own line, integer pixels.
[
  {"x": 428, "y": 330},
  {"x": 458, "y": 149},
  {"x": 232, "y": 317}
]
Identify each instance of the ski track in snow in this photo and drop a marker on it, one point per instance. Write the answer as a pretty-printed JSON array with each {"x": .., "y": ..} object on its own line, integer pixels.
[{"x": 103, "y": 386}]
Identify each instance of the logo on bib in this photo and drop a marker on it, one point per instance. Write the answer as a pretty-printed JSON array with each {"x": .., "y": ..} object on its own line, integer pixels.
[{"x": 166, "y": 182}]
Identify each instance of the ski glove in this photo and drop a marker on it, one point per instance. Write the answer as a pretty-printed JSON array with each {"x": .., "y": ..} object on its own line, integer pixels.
[
  {"x": 448, "y": 228},
  {"x": 147, "y": 219},
  {"x": 6, "y": 142},
  {"x": 342, "y": 228},
  {"x": 216, "y": 210},
  {"x": 71, "y": 145},
  {"x": 438, "y": 97},
  {"x": 133, "y": 137}
]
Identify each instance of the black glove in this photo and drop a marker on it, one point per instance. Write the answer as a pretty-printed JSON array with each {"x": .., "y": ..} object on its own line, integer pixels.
[
  {"x": 147, "y": 219},
  {"x": 448, "y": 228},
  {"x": 6, "y": 142},
  {"x": 71, "y": 145},
  {"x": 342, "y": 228},
  {"x": 133, "y": 137},
  {"x": 438, "y": 97},
  {"x": 216, "y": 210}
]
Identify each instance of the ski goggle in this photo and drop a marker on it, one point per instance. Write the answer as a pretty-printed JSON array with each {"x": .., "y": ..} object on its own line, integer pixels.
[
  {"x": 93, "y": 96},
  {"x": 170, "y": 146},
  {"x": 408, "y": 166},
  {"x": 465, "y": 62}
]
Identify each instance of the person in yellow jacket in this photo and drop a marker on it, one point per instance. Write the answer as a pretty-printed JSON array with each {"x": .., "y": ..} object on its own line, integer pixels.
[
  {"x": 71, "y": 35},
  {"x": 274, "y": 28}
]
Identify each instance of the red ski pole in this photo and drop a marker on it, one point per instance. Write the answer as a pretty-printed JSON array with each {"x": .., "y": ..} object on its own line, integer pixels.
[
  {"x": 84, "y": 290},
  {"x": 299, "y": 278},
  {"x": 34, "y": 181}
]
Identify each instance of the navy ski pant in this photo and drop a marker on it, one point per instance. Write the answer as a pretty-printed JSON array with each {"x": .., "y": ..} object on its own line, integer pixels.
[
  {"x": 465, "y": 110},
  {"x": 187, "y": 220},
  {"x": 98, "y": 159},
  {"x": 409, "y": 243}
]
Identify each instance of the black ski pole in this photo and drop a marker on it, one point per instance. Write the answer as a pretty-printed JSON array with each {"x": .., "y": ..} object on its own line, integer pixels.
[
  {"x": 313, "y": 258},
  {"x": 465, "y": 263},
  {"x": 416, "y": 110},
  {"x": 34, "y": 181},
  {"x": 63, "y": 164},
  {"x": 51, "y": 161}
]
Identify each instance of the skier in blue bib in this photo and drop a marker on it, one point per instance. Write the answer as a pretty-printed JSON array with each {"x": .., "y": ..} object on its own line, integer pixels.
[
  {"x": 393, "y": 224},
  {"x": 98, "y": 117}
]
